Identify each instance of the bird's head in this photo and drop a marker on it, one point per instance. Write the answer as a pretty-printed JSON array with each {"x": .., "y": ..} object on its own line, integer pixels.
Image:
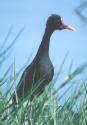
[{"x": 55, "y": 22}]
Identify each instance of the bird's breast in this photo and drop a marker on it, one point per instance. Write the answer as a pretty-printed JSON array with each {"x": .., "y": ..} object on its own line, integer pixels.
[{"x": 45, "y": 69}]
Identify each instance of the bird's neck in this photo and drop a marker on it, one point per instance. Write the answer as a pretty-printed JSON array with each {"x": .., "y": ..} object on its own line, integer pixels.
[{"x": 44, "y": 46}]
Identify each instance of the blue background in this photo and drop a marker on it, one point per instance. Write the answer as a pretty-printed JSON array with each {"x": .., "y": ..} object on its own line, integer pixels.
[{"x": 32, "y": 15}]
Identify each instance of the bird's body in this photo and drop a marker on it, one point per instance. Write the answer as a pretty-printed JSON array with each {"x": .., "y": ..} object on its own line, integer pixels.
[
  {"x": 40, "y": 72},
  {"x": 36, "y": 75}
]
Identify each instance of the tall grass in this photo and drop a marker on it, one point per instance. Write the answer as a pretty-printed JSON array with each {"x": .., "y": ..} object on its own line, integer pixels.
[{"x": 45, "y": 109}]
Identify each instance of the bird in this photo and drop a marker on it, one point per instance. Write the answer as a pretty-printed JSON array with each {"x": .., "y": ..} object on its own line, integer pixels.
[{"x": 41, "y": 70}]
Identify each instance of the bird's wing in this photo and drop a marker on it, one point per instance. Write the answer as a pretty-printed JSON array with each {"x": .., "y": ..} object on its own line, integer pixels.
[{"x": 23, "y": 76}]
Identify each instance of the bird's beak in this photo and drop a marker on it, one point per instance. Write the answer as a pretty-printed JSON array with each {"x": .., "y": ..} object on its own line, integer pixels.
[{"x": 68, "y": 27}]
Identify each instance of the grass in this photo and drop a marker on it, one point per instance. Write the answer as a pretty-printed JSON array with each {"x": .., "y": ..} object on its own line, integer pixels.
[{"x": 45, "y": 109}]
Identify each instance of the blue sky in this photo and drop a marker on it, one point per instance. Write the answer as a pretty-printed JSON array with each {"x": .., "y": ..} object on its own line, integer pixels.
[{"x": 33, "y": 15}]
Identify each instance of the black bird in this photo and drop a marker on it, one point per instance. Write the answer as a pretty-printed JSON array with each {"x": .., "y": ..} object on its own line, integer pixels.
[{"x": 40, "y": 72}]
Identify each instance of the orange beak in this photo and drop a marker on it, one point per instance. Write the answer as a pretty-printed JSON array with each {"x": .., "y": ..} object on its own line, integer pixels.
[{"x": 69, "y": 27}]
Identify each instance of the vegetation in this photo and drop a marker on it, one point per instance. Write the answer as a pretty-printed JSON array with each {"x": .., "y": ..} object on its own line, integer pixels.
[{"x": 45, "y": 109}]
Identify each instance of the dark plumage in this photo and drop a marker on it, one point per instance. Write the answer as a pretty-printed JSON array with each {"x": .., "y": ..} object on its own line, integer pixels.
[{"x": 40, "y": 72}]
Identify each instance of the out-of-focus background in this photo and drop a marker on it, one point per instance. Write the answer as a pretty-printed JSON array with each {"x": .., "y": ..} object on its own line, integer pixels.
[{"x": 32, "y": 15}]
